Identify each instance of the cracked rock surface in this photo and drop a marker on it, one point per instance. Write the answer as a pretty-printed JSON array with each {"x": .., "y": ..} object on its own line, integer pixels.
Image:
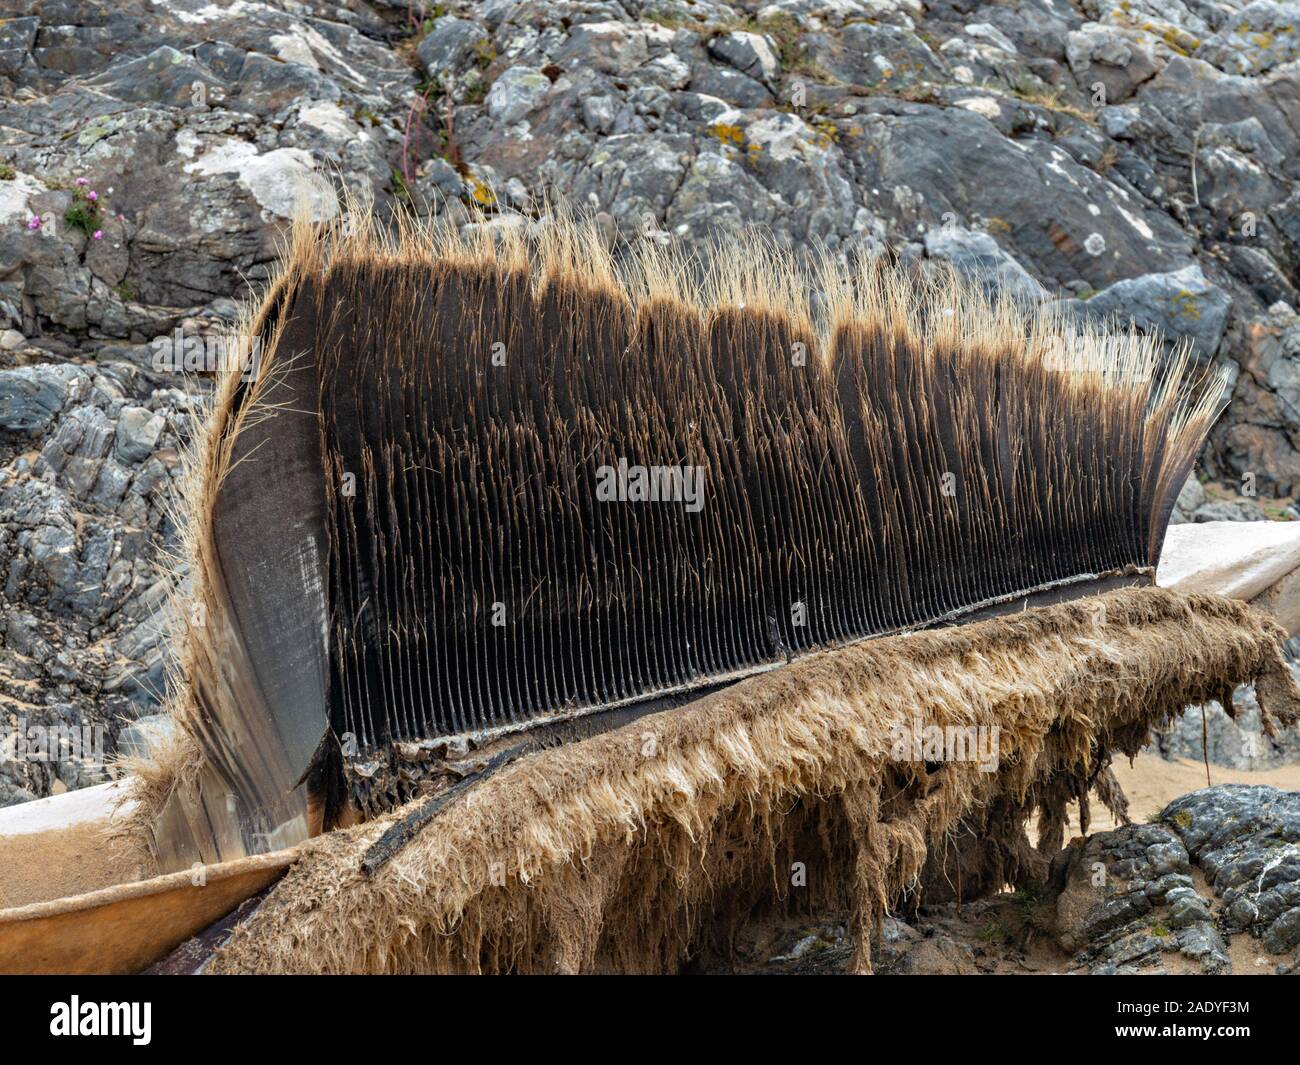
[
  {"x": 1246, "y": 840},
  {"x": 1222, "y": 866}
]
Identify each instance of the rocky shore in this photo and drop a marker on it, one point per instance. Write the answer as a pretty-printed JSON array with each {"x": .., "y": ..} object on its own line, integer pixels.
[{"x": 1121, "y": 159}]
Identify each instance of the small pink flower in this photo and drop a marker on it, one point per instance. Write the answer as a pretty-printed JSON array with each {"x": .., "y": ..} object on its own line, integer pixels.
[
  {"x": 92, "y": 195},
  {"x": 34, "y": 223},
  {"x": 98, "y": 235},
  {"x": 82, "y": 181}
]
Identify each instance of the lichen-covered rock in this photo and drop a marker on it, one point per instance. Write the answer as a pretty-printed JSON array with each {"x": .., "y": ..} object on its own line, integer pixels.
[
  {"x": 1246, "y": 839},
  {"x": 1117, "y": 60},
  {"x": 1125, "y": 899},
  {"x": 31, "y": 396},
  {"x": 1180, "y": 305},
  {"x": 1254, "y": 40}
]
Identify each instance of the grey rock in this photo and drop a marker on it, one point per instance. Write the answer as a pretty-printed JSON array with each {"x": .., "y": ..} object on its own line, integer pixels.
[
  {"x": 54, "y": 550},
  {"x": 893, "y": 931},
  {"x": 978, "y": 256},
  {"x": 1136, "y": 949},
  {"x": 598, "y": 113},
  {"x": 11, "y": 794},
  {"x": 165, "y": 75},
  {"x": 1118, "y": 60},
  {"x": 1247, "y": 136},
  {"x": 1250, "y": 438},
  {"x": 1181, "y": 304},
  {"x": 1170, "y": 857},
  {"x": 954, "y": 132},
  {"x": 138, "y": 430},
  {"x": 730, "y": 86},
  {"x": 515, "y": 93},
  {"x": 19, "y": 34},
  {"x": 1256, "y": 39},
  {"x": 634, "y": 178},
  {"x": 1187, "y": 911},
  {"x": 1286, "y": 215},
  {"x": 937, "y": 955},
  {"x": 990, "y": 34},
  {"x": 198, "y": 126},
  {"x": 452, "y": 45},
  {"x": 1284, "y": 932},
  {"x": 1230, "y": 510},
  {"x": 31, "y": 396},
  {"x": 29, "y": 504},
  {"x": 137, "y": 738},
  {"x": 1169, "y": 887},
  {"x": 1192, "y": 495},
  {"x": 905, "y": 161},
  {"x": 1236, "y": 742},
  {"x": 876, "y": 55},
  {"x": 1175, "y": 16},
  {"x": 1202, "y": 942},
  {"x": 441, "y": 182},
  {"x": 111, "y": 485},
  {"x": 1126, "y": 897},
  {"x": 74, "y": 453},
  {"x": 750, "y": 53},
  {"x": 1246, "y": 839}
]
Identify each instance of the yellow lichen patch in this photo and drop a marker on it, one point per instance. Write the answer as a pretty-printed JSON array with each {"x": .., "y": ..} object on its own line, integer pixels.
[
  {"x": 1185, "y": 304},
  {"x": 480, "y": 192},
  {"x": 825, "y": 134},
  {"x": 728, "y": 134}
]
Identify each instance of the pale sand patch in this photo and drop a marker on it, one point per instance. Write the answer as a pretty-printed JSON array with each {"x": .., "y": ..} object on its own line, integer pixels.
[
  {"x": 1151, "y": 784},
  {"x": 61, "y": 863},
  {"x": 66, "y": 845}
]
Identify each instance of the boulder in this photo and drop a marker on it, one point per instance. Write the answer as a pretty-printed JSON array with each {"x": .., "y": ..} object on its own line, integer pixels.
[
  {"x": 31, "y": 396},
  {"x": 979, "y": 257},
  {"x": 1117, "y": 59},
  {"x": 1179, "y": 305},
  {"x": 452, "y": 45},
  {"x": 515, "y": 93}
]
